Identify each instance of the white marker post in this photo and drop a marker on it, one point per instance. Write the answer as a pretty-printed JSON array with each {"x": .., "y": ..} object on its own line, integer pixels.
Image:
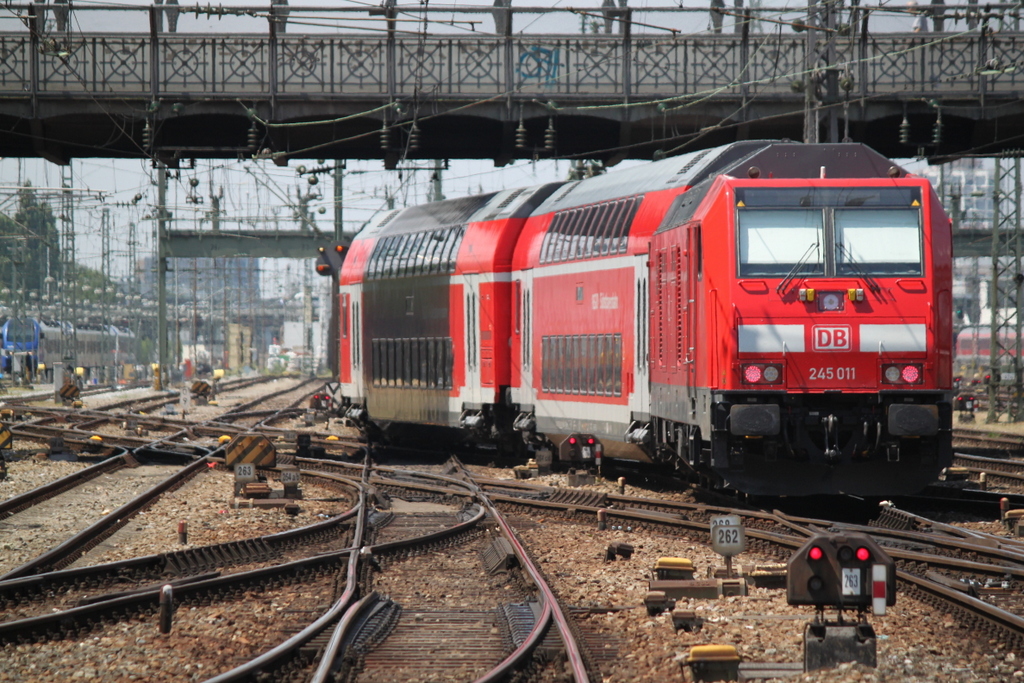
[
  {"x": 728, "y": 539},
  {"x": 878, "y": 588}
]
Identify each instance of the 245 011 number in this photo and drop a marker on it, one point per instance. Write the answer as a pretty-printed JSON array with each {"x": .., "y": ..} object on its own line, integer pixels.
[{"x": 832, "y": 373}]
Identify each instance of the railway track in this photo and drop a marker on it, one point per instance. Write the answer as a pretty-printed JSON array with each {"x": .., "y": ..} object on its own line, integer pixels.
[{"x": 343, "y": 595}]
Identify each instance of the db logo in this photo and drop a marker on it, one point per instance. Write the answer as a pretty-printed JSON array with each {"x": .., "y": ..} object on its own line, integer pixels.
[{"x": 832, "y": 338}]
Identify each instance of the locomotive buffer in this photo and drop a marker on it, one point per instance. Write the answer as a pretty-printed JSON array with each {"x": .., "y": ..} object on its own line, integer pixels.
[{"x": 847, "y": 572}]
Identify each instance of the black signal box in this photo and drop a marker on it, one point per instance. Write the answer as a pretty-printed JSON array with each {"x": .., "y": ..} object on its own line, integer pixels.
[{"x": 845, "y": 571}]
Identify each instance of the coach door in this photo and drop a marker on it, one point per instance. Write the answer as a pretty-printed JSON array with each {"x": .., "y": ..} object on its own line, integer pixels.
[{"x": 473, "y": 392}]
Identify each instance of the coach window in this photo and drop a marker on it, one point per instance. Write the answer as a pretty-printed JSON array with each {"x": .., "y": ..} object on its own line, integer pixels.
[
  {"x": 611, "y": 220},
  {"x": 453, "y": 250},
  {"x": 561, "y": 237},
  {"x": 878, "y": 241},
  {"x": 580, "y": 231},
  {"x": 411, "y": 254},
  {"x": 389, "y": 248},
  {"x": 776, "y": 242},
  {"x": 617, "y": 360},
  {"x": 449, "y": 363},
  {"x": 375, "y": 365},
  {"x": 432, "y": 251}
]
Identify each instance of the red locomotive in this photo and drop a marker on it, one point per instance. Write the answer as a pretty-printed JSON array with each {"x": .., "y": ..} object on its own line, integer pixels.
[{"x": 774, "y": 317}]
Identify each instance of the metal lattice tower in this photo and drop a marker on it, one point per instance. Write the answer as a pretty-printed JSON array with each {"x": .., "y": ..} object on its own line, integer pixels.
[
  {"x": 68, "y": 277},
  {"x": 1005, "y": 294}
]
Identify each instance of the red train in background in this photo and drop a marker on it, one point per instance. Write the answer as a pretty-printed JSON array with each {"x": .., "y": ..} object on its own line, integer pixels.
[{"x": 772, "y": 316}]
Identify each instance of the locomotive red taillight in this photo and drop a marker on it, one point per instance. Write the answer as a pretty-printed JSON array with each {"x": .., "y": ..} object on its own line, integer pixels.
[
  {"x": 863, "y": 554},
  {"x": 909, "y": 373},
  {"x": 761, "y": 373},
  {"x": 752, "y": 374}
]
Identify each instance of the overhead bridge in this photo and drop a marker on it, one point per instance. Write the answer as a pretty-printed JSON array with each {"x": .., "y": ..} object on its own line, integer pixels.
[{"x": 393, "y": 81}]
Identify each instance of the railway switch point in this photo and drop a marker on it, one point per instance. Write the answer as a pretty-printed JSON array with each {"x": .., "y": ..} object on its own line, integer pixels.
[
  {"x": 829, "y": 645},
  {"x": 657, "y": 602},
  {"x": 1011, "y": 518},
  {"x": 673, "y": 569},
  {"x": 575, "y": 478},
  {"x": 955, "y": 474},
  {"x": 713, "y": 663},
  {"x": 686, "y": 620},
  {"x": 302, "y": 444}
]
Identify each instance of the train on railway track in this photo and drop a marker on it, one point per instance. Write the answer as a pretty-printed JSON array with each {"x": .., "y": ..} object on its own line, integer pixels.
[
  {"x": 104, "y": 352},
  {"x": 770, "y": 317}
]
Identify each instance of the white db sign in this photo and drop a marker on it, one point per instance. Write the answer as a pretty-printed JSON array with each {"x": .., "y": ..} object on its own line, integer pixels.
[{"x": 727, "y": 535}]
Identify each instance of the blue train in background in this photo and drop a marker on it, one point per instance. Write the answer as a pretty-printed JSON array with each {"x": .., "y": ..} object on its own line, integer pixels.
[{"x": 105, "y": 352}]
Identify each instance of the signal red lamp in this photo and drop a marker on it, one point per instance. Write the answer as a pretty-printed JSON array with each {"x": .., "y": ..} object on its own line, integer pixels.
[
  {"x": 572, "y": 440},
  {"x": 590, "y": 441},
  {"x": 863, "y": 554},
  {"x": 815, "y": 553}
]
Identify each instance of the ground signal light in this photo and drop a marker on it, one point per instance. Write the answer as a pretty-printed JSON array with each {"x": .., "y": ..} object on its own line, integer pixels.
[{"x": 844, "y": 571}]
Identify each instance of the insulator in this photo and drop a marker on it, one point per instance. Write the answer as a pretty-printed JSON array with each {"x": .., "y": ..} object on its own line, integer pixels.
[
  {"x": 414, "y": 137},
  {"x": 550, "y": 136},
  {"x": 521, "y": 135},
  {"x": 193, "y": 182},
  {"x": 937, "y": 130},
  {"x": 385, "y": 137},
  {"x": 905, "y": 131},
  {"x": 147, "y": 135},
  {"x": 253, "y": 137}
]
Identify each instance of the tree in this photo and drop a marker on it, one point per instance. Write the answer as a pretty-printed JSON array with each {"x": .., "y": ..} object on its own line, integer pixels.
[{"x": 28, "y": 241}]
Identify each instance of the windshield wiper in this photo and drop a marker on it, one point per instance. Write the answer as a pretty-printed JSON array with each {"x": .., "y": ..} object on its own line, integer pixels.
[
  {"x": 852, "y": 262},
  {"x": 784, "y": 285}
]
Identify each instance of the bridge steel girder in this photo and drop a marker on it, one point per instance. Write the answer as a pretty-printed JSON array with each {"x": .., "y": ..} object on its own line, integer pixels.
[
  {"x": 630, "y": 95},
  {"x": 243, "y": 243}
]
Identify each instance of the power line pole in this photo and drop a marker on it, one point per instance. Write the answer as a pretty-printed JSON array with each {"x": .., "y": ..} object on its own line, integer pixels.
[
  {"x": 810, "y": 78},
  {"x": 161, "y": 267}
]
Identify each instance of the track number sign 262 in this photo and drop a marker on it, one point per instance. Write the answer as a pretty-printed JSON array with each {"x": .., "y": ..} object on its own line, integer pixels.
[{"x": 727, "y": 536}]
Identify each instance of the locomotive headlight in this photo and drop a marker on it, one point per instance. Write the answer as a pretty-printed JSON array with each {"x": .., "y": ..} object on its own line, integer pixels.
[
  {"x": 771, "y": 374},
  {"x": 892, "y": 374}
]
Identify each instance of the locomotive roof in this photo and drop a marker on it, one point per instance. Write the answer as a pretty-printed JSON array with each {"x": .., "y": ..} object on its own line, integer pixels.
[
  {"x": 518, "y": 203},
  {"x": 799, "y": 160},
  {"x": 786, "y": 160},
  {"x": 680, "y": 171}
]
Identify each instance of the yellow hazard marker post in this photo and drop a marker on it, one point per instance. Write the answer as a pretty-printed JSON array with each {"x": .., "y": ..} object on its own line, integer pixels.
[
  {"x": 254, "y": 449},
  {"x": 6, "y": 438}
]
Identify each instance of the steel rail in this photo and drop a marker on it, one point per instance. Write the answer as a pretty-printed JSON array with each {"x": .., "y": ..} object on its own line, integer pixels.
[
  {"x": 62, "y": 555},
  {"x": 254, "y": 669},
  {"x": 30, "y": 587},
  {"x": 54, "y": 488}
]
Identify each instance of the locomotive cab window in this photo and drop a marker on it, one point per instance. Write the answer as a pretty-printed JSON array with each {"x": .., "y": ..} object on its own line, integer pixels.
[{"x": 828, "y": 232}]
